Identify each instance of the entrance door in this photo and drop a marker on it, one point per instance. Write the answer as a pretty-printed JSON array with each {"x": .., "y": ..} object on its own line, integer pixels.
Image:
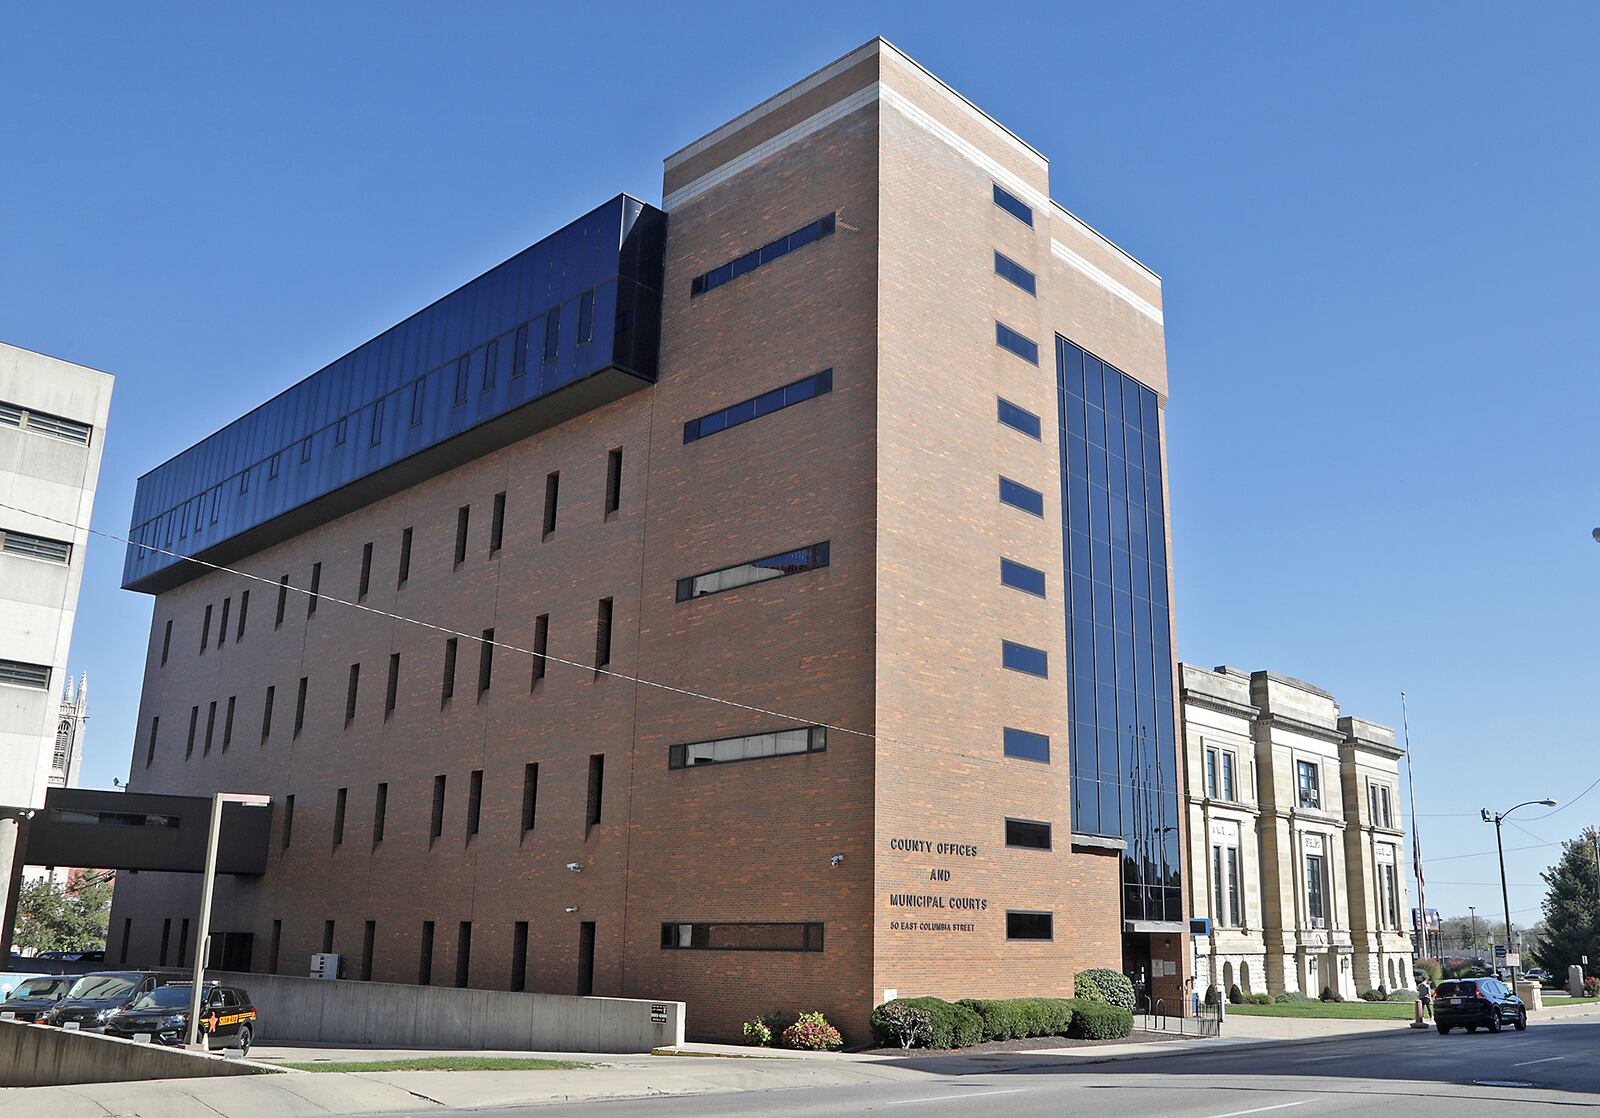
[{"x": 1136, "y": 965}]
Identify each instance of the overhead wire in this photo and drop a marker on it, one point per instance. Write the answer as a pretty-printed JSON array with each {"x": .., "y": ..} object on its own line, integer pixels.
[{"x": 447, "y": 631}]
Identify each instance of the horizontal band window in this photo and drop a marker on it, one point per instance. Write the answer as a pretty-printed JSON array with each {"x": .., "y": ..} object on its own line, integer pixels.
[
  {"x": 806, "y": 388},
  {"x": 1029, "y": 925},
  {"x": 15, "y": 415},
  {"x": 1026, "y": 745},
  {"x": 1008, "y": 269},
  {"x": 766, "y": 254},
  {"x": 1018, "y": 419},
  {"x": 798, "y": 561},
  {"x": 1014, "y": 206},
  {"x": 742, "y": 937},
  {"x": 1027, "y": 833},
  {"x": 24, "y": 675},
  {"x": 35, "y": 547},
  {"x": 1019, "y": 576},
  {"x": 1022, "y": 658},
  {"x": 781, "y": 743},
  {"x": 1008, "y": 339},
  {"x": 112, "y": 818},
  {"x": 1020, "y": 496}
]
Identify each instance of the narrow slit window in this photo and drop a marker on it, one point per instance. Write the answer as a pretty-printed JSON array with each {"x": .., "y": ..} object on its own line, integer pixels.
[
  {"x": 497, "y": 524},
  {"x": 448, "y": 688},
  {"x": 613, "y": 480},
  {"x": 474, "y": 801}
]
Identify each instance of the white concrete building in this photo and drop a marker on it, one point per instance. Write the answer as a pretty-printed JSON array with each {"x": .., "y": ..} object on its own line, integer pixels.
[
  {"x": 1295, "y": 838},
  {"x": 52, "y": 432}
]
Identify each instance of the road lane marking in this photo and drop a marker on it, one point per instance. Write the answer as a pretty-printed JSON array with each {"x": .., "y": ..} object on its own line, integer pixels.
[
  {"x": 1261, "y": 1109},
  {"x": 970, "y": 1095},
  {"x": 1546, "y": 1060},
  {"x": 1320, "y": 1059}
]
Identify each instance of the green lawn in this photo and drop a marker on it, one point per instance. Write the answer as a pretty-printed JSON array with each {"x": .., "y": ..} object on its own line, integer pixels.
[
  {"x": 439, "y": 1063},
  {"x": 1359, "y": 1011}
]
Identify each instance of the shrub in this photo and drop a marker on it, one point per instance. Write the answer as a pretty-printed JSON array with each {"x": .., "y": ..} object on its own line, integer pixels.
[
  {"x": 1112, "y": 987},
  {"x": 1258, "y": 999},
  {"x": 1402, "y": 996},
  {"x": 1011, "y": 1018},
  {"x": 1211, "y": 995},
  {"x": 1235, "y": 995},
  {"x": 1330, "y": 995},
  {"x": 1290, "y": 997},
  {"x": 1094, "y": 1020},
  {"x": 812, "y": 1033},
  {"x": 949, "y": 1026},
  {"x": 909, "y": 1026},
  {"x": 758, "y": 1033},
  {"x": 1591, "y": 986},
  {"x": 1429, "y": 967},
  {"x": 1373, "y": 996}
]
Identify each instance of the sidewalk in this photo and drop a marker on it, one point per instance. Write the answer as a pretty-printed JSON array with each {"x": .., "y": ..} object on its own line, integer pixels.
[{"x": 691, "y": 1069}]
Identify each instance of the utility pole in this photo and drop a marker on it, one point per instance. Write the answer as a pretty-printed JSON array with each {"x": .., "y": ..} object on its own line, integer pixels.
[
  {"x": 1496, "y": 817},
  {"x": 1473, "y": 909}
]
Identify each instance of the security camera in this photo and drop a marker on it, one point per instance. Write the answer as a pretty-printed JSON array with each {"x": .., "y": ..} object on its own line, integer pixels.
[
  {"x": 574, "y": 867},
  {"x": 836, "y": 861}
]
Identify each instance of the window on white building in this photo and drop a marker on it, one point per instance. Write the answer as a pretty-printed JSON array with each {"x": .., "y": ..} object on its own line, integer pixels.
[
  {"x": 1226, "y": 885},
  {"x": 1316, "y": 891},
  {"x": 1308, "y": 780}
]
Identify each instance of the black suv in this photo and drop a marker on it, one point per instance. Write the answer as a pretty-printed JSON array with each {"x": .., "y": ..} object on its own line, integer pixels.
[
  {"x": 35, "y": 997},
  {"x": 95, "y": 997},
  {"x": 1471, "y": 1002},
  {"x": 227, "y": 1016}
]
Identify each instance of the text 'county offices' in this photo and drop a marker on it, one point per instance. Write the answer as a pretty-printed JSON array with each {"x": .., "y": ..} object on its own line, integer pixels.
[{"x": 854, "y": 446}]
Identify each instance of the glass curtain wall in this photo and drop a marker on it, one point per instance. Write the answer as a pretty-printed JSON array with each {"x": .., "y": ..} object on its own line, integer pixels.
[{"x": 1124, "y": 759}]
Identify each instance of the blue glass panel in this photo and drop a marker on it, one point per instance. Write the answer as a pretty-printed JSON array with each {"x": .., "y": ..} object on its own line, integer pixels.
[
  {"x": 1017, "y": 495},
  {"x": 1019, "y": 419},
  {"x": 1027, "y": 745},
  {"x": 617, "y": 246},
  {"x": 1008, "y": 339},
  {"x": 1023, "y": 658},
  {"x": 1019, "y": 576},
  {"x": 1009, "y": 269},
  {"x": 1014, "y": 206},
  {"x": 1093, "y": 391}
]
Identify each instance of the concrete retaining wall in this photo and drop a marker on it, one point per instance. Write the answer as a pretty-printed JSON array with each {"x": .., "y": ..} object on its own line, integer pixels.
[
  {"x": 41, "y": 1056},
  {"x": 346, "y": 1012}
]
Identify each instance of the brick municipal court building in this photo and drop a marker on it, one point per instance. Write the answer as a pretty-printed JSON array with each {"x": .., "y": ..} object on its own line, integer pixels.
[{"x": 818, "y": 521}]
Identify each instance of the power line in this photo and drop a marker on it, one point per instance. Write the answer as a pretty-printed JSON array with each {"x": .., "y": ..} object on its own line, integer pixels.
[
  {"x": 1569, "y": 803},
  {"x": 595, "y": 669}
]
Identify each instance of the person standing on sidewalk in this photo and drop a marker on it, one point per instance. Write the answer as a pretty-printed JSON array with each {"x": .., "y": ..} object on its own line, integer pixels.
[{"x": 1425, "y": 996}]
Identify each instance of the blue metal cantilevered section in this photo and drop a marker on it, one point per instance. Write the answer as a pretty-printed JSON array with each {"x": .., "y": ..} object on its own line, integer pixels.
[{"x": 565, "y": 326}]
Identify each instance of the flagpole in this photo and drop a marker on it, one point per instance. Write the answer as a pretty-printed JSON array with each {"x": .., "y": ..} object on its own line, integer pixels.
[{"x": 1416, "y": 831}]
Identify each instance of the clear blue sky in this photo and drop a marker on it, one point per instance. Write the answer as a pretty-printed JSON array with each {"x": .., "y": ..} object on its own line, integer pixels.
[{"x": 1377, "y": 230}]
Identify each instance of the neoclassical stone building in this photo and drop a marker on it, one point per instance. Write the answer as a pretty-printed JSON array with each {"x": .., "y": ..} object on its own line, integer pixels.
[{"x": 1295, "y": 838}]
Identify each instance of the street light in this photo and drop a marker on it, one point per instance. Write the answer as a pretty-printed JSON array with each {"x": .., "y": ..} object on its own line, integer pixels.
[
  {"x": 202, "y": 942},
  {"x": 1495, "y": 817}
]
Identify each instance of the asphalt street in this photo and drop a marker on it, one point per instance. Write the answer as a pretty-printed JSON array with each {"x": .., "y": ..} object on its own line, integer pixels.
[{"x": 1552, "y": 1064}]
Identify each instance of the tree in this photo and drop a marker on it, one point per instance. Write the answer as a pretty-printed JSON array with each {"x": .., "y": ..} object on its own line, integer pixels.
[
  {"x": 1572, "y": 908},
  {"x": 73, "y": 917}
]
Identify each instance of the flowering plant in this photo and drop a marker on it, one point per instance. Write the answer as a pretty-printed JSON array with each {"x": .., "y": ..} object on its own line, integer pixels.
[
  {"x": 813, "y": 1034},
  {"x": 757, "y": 1033}
]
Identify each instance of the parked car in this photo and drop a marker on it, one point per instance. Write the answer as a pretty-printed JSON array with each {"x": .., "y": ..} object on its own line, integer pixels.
[
  {"x": 227, "y": 1017},
  {"x": 1471, "y": 1002},
  {"x": 93, "y": 998},
  {"x": 1537, "y": 974},
  {"x": 35, "y": 995}
]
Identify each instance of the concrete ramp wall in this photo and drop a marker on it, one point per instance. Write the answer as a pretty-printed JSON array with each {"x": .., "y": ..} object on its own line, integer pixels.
[
  {"x": 347, "y": 1012},
  {"x": 42, "y": 1056}
]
